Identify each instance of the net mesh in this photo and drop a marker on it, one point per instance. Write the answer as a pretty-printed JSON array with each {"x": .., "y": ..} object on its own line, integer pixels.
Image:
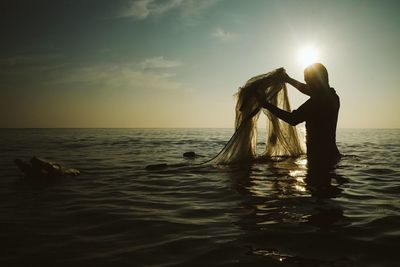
[{"x": 282, "y": 139}]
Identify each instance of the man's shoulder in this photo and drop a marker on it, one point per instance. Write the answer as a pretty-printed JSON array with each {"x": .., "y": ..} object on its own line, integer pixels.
[{"x": 333, "y": 91}]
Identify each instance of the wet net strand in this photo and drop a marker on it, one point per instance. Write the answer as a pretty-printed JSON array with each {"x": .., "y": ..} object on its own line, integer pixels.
[{"x": 282, "y": 139}]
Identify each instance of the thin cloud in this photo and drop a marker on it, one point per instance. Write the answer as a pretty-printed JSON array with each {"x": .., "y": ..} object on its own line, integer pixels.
[
  {"x": 120, "y": 76},
  {"x": 159, "y": 63},
  {"x": 223, "y": 35},
  {"x": 151, "y": 74},
  {"x": 142, "y": 9},
  {"x": 194, "y": 7}
]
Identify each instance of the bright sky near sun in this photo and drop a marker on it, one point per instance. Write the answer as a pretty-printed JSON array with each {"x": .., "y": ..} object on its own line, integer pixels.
[{"x": 178, "y": 63}]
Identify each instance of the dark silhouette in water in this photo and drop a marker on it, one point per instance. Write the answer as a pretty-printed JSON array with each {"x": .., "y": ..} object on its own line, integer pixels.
[
  {"x": 189, "y": 155},
  {"x": 320, "y": 113},
  {"x": 42, "y": 169}
]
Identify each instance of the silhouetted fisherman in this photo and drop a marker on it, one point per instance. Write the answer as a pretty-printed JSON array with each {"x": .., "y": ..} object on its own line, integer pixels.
[{"x": 320, "y": 113}]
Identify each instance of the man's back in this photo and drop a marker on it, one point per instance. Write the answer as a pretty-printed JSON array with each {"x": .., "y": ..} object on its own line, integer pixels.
[{"x": 321, "y": 120}]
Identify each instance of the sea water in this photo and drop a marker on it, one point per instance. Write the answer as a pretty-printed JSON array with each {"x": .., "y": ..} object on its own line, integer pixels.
[{"x": 262, "y": 214}]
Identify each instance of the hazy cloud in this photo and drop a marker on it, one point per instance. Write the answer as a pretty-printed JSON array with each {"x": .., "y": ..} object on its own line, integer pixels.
[
  {"x": 193, "y": 7},
  {"x": 223, "y": 35},
  {"x": 158, "y": 63},
  {"x": 142, "y": 9},
  {"x": 120, "y": 76}
]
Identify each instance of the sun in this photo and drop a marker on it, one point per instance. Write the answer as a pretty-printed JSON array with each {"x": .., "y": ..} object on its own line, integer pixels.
[{"x": 307, "y": 55}]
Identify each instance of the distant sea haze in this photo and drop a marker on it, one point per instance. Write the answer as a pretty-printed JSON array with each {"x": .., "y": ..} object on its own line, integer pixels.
[{"x": 267, "y": 213}]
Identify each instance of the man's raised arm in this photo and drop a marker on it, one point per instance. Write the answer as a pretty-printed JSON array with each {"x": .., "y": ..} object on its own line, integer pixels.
[{"x": 302, "y": 87}]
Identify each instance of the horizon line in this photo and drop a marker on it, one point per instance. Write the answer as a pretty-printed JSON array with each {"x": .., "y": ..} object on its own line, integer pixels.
[{"x": 21, "y": 128}]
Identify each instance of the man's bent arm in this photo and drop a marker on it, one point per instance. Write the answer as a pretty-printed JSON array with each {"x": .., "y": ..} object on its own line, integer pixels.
[
  {"x": 304, "y": 88},
  {"x": 282, "y": 114}
]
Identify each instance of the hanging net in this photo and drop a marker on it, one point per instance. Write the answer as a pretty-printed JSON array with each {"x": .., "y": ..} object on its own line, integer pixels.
[{"x": 281, "y": 138}]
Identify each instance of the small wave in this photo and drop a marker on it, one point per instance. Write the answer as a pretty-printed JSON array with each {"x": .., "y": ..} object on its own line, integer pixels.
[
  {"x": 118, "y": 213},
  {"x": 77, "y": 145},
  {"x": 378, "y": 171}
]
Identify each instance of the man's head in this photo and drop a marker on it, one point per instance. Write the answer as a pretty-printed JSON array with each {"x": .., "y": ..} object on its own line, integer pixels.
[{"x": 316, "y": 76}]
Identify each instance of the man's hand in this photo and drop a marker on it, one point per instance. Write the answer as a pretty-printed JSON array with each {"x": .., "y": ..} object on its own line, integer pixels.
[
  {"x": 286, "y": 77},
  {"x": 267, "y": 105},
  {"x": 282, "y": 76},
  {"x": 263, "y": 103}
]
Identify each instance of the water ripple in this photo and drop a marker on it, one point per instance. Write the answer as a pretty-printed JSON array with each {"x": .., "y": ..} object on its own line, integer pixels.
[{"x": 269, "y": 214}]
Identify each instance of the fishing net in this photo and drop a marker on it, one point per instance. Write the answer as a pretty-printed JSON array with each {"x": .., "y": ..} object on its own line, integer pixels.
[{"x": 282, "y": 139}]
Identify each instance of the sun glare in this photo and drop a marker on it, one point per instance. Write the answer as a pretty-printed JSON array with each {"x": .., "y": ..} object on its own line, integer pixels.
[{"x": 307, "y": 55}]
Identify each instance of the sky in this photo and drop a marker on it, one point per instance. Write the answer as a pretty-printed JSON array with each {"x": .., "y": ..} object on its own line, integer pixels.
[{"x": 178, "y": 63}]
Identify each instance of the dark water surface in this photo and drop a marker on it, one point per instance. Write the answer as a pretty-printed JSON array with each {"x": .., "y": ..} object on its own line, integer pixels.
[{"x": 264, "y": 214}]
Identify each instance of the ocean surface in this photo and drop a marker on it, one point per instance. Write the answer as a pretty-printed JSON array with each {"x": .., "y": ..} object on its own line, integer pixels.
[{"x": 261, "y": 214}]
